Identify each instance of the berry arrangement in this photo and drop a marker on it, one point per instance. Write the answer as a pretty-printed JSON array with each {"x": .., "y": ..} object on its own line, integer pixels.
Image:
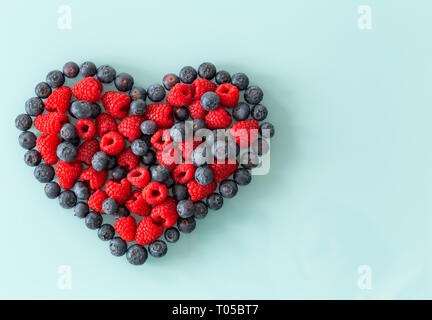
[{"x": 126, "y": 155}]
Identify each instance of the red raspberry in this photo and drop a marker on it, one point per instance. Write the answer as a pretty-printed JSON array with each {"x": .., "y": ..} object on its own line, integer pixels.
[
  {"x": 222, "y": 171},
  {"x": 137, "y": 205},
  {"x": 218, "y": 119},
  {"x": 201, "y": 86},
  {"x": 86, "y": 129},
  {"x": 160, "y": 139},
  {"x": 196, "y": 110},
  {"x": 180, "y": 95},
  {"x": 139, "y": 177},
  {"x": 128, "y": 159},
  {"x": 161, "y": 114},
  {"x": 147, "y": 231},
  {"x": 105, "y": 123},
  {"x": 116, "y": 103},
  {"x": 188, "y": 146},
  {"x": 47, "y": 145},
  {"x": 198, "y": 191},
  {"x": 112, "y": 143},
  {"x": 246, "y": 132},
  {"x": 228, "y": 95},
  {"x": 68, "y": 173},
  {"x": 86, "y": 150},
  {"x": 119, "y": 191},
  {"x": 130, "y": 127},
  {"x": 96, "y": 199},
  {"x": 50, "y": 122},
  {"x": 88, "y": 89},
  {"x": 95, "y": 179},
  {"x": 59, "y": 100},
  {"x": 155, "y": 193},
  {"x": 183, "y": 173},
  {"x": 165, "y": 213},
  {"x": 169, "y": 157},
  {"x": 126, "y": 227}
]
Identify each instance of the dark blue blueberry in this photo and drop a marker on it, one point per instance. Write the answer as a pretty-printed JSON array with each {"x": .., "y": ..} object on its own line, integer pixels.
[
  {"x": 138, "y": 107},
  {"x": 149, "y": 158},
  {"x": 124, "y": 82},
  {"x": 204, "y": 175},
  {"x": 34, "y": 106},
  {"x": 88, "y": 69},
  {"x": 266, "y": 130},
  {"x": 185, "y": 208},
  {"x": 82, "y": 190},
  {"x": 32, "y": 158},
  {"x": 68, "y": 132},
  {"x": 178, "y": 131},
  {"x": 180, "y": 192},
  {"x": 93, "y": 220},
  {"x": 186, "y": 225},
  {"x": 27, "y": 140},
  {"x": 259, "y": 112},
  {"x": 138, "y": 93},
  {"x": 207, "y": 70},
  {"x": 249, "y": 160},
  {"x": 110, "y": 206},
  {"x": 136, "y": 255},
  {"x": 198, "y": 124},
  {"x": 210, "y": 101},
  {"x": 240, "y": 80},
  {"x": 106, "y": 73},
  {"x": 223, "y": 77},
  {"x": 201, "y": 155},
  {"x": 170, "y": 80},
  {"x": 66, "y": 151},
  {"x": 112, "y": 163},
  {"x": 75, "y": 141},
  {"x": 43, "y": 90},
  {"x": 119, "y": 173},
  {"x": 70, "y": 69},
  {"x": 81, "y": 210},
  {"x": 242, "y": 176},
  {"x": 187, "y": 74},
  {"x": 241, "y": 111},
  {"x": 169, "y": 182},
  {"x": 181, "y": 113},
  {"x": 100, "y": 161},
  {"x": 52, "y": 190},
  {"x": 148, "y": 127},
  {"x": 55, "y": 79},
  {"x": 122, "y": 212},
  {"x": 95, "y": 110},
  {"x": 81, "y": 109},
  {"x": 117, "y": 246},
  {"x": 225, "y": 149},
  {"x": 201, "y": 210},
  {"x": 253, "y": 95},
  {"x": 67, "y": 199},
  {"x": 228, "y": 188},
  {"x": 23, "y": 122},
  {"x": 158, "y": 248},
  {"x": 215, "y": 201},
  {"x": 106, "y": 232},
  {"x": 260, "y": 146},
  {"x": 159, "y": 173},
  {"x": 156, "y": 92},
  {"x": 172, "y": 234},
  {"x": 139, "y": 147}
]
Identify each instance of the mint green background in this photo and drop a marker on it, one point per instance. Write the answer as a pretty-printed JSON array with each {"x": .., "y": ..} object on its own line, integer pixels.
[{"x": 350, "y": 180}]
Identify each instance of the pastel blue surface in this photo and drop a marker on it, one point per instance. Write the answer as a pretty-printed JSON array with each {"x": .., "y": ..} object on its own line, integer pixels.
[{"x": 350, "y": 181}]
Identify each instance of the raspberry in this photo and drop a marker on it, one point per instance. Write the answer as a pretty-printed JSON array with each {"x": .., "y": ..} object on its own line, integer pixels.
[
  {"x": 137, "y": 205},
  {"x": 126, "y": 227},
  {"x": 165, "y": 213},
  {"x": 130, "y": 127},
  {"x": 183, "y": 173},
  {"x": 88, "y": 89},
  {"x": 160, "y": 139},
  {"x": 180, "y": 95},
  {"x": 201, "y": 86},
  {"x": 169, "y": 157},
  {"x": 196, "y": 110},
  {"x": 246, "y": 132},
  {"x": 59, "y": 100},
  {"x": 128, "y": 159},
  {"x": 50, "y": 122},
  {"x": 86, "y": 150},
  {"x": 112, "y": 143},
  {"x": 228, "y": 95},
  {"x": 155, "y": 193},
  {"x": 147, "y": 231},
  {"x": 222, "y": 171},
  {"x": 116, "y": 103},
  {"x": 68, "y": 173},
  {"x": 86, "y": 129},
  {"x": 119, "y": 191},
  {"x": 95, "y": 179},
  {"x": 96, "y": 199},
  {"x": 161, "y": 114},
  {"x": 218, "y": 119},
  {"x": 198, "y": 191},
  {"x": 188, "y": 146},
  {"x": 47, "y": 145},
  {"x": 105, "y": 123},
  {"x": 139, "y": 177}
]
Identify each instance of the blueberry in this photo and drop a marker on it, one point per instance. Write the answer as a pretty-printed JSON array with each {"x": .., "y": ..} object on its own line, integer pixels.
[
  {"x": 242, "y": 176},
  {"x": 75, "y": 141},
  {"x": 55, "y": 79},
  {"x": 93, "y": 220},
  {"x": 23, "y": 122},
  {"x": 95, "y": 110},
  {"x": 266, "y": 130},
  {"x": 186, "y": 225},
  {"x": 138, "y": 93},
  {"x": 81, "y": 109},
  {"x": 52, "y": 190},
  {"x": 201, "y": 155},
  {"x": 70, "y": 69},
  {"x": 201, "y": 210},
  {"x": 32, "y": 158},
  {"x": 215, "y": 201},
  {"x": 112, "y": 163},
  {"x": 68, "y": 131},
  {"x": 67, "y": 199},
  {"x": 169, "y": 182},
  {"x": 259, "y": 112},
  {"x": 149, "y": 158},
  {"x": 43, "y": 90},
  {"x": 106, "y": 232},
  {"x": 159, "y": 173},
  {"x": 34, "y": 106},
  {"x": 122, "y": 212},
  {"x": 253, "y": 94},
  {"x": 27, "y": 140},
  {"x": 185, "y": 208},
  {"x": 181, "y": 113},
  {"x": 124, "y": 82},
  {"x": 119, "y": 173},
  {"x": 170, "y": 80},
  {"x": 100, "y": 161},
  {"x": 178, "y": 131},
  {"x": 156, "y": 92},
  {"x": 138, "y": 107},
  {"x": 198, "y": 124},
  {"x": 81, "y": 210},
  {"x": 148, "y": 127},
  {"x": 249, "y": 160},
  {"x": 180, "y": 192},
  {"x": 210, "y": 101},
  {"x": 225, "y": 149},
  {"x": 82, "y": 190},
  {"x": 106, "y": 73},
  {"x": 158, "y": 248},
  {"x": 228, "y": 188},
  {"x": 187, "y": 74},
  {"x": 204, "y": 175},
  {"x": 66, "y": 151},
  {"x": 223, "y": 77},
  {"x": 88, "y": 69},
  {"x": 241, "y": 111},
  {"x": 260, "y": 146},
  {"x": 136, "y": 254},
  {"x": 172, "y": 234},
  {"x": 117, "y": 247},
  {"x": 240, "y": 80},
  {"x": 109, "y": 206},
  {"x": 207, "y": 70},
  {"x": 139, "y": 147}
]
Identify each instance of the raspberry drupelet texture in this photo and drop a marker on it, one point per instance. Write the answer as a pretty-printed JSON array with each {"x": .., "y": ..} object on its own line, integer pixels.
[
  {"x": 180, "y": 95},
  {"x": 47, "y": 144},
  {"x": 86, "y": 129},
  {"x": 112, "y": 143},
  {"x": 68, "y": 173},
  {"x": 126, "y": 228},
  {"x": 104, "y": 124},
  {"x": 161, "y": 114},
  {"x": 155, "y": 193},
  {"x": 95, "y": 179},
  {"x": 165, "y": 213},
  {"x": 148, "y": 231},
  {"x": 59, "y": 100},
  {"x": 137, "y": 205},
  {"x": 116, "y": 104},
  {"x": 86, "y": 151},
  {"x": 129, "y": 127},
  {"x": 119, "y": 191},
  {"x": 50, "y": 122},
  {"x": 88, "y": 89}
]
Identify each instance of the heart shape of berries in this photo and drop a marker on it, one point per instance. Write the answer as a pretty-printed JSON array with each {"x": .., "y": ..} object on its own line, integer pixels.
[{"x": 152, "y": 168}]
